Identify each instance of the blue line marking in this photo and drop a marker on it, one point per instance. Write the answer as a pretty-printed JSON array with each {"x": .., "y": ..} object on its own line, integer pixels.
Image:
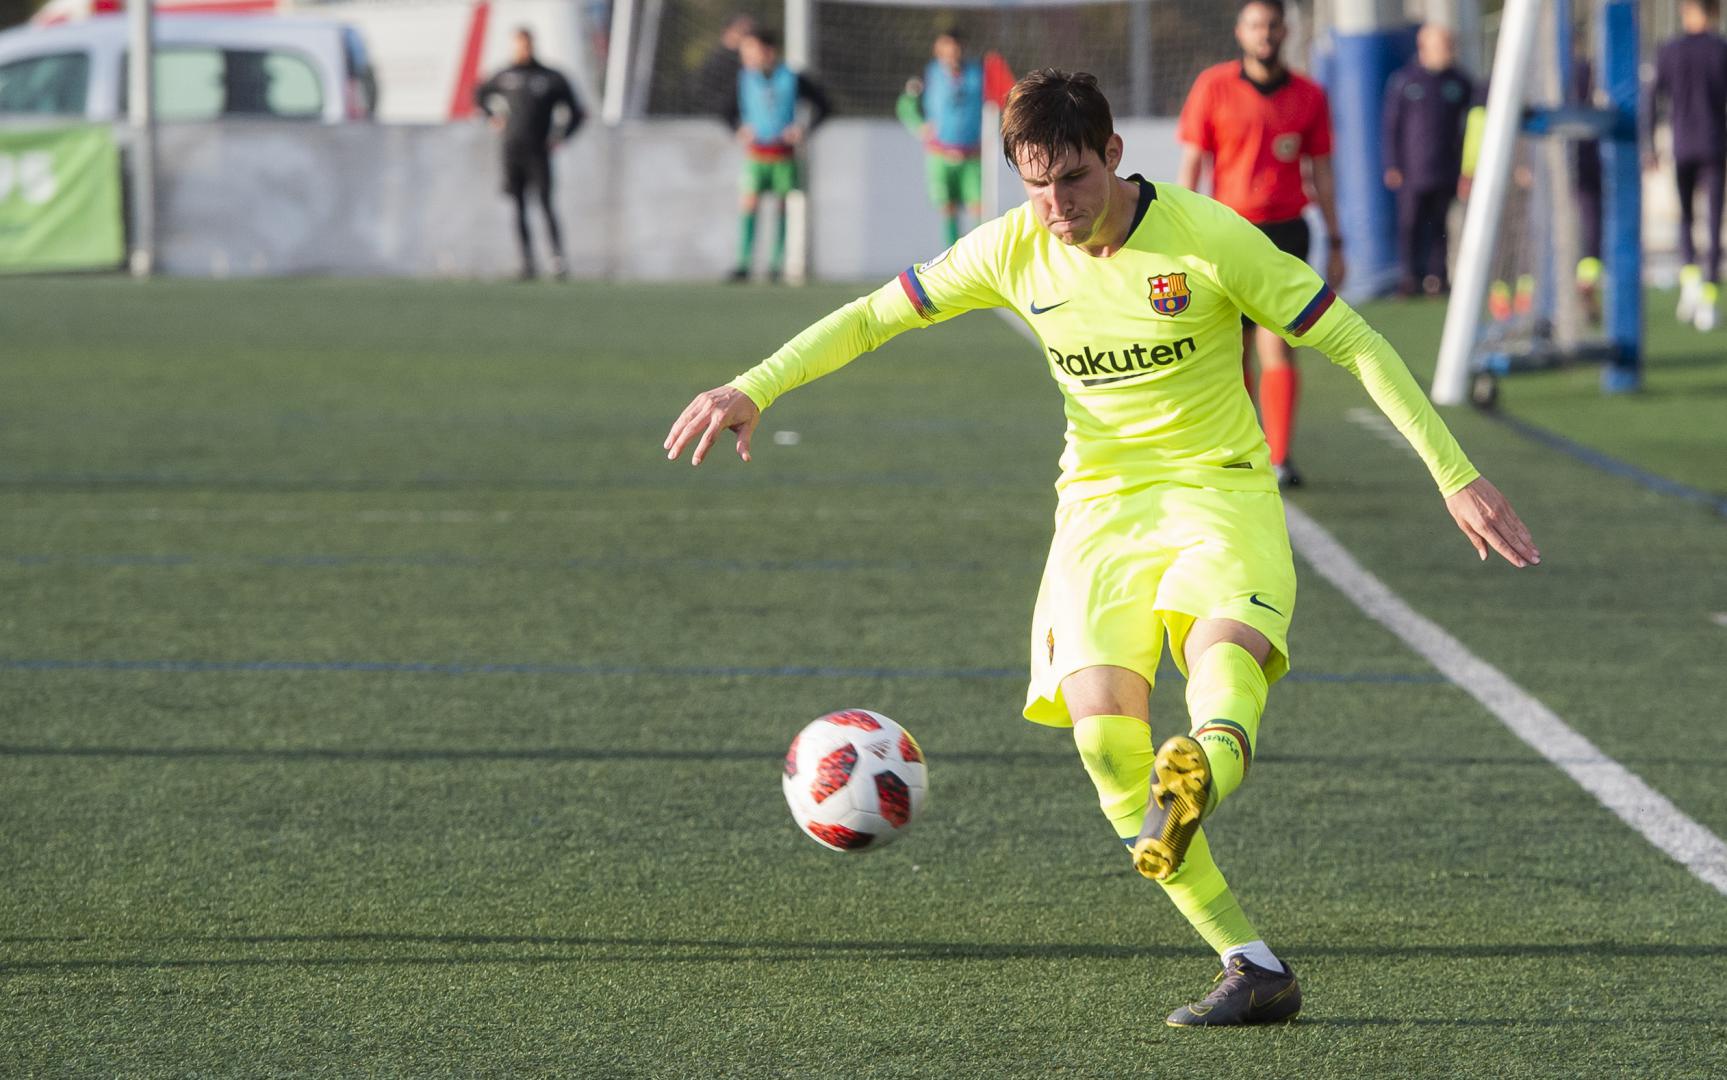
[
  {"x": 456, "y": 561},
  {"x": 818, "y": 671},
  {"x": 1612, "y": 465}
]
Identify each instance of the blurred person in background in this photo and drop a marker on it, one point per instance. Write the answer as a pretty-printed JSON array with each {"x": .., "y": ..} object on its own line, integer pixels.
[
  {"x": 530, "y": 94},
  {"x": 767, "y": 124},
  {"x": 1586, "y": 184},
  {"x": 1426, "y": 102},
  {"x": 945, "y": 109},
  {"x": 1691, "y": 83},
  {"x": 1267, "y": 133},
  {"x": 716, "y": 81}
]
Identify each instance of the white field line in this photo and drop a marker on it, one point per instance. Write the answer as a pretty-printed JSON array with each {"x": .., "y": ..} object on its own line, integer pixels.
[
  {"x": 1614, "y": 786},
  {"x": 1374, "y": 421}
]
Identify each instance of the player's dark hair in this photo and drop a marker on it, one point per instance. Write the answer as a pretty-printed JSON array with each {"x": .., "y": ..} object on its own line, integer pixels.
[
  {"x": 1711, "y": 8},
  {"x": 767, "y": 36},
  {"x": 1050, "y": 111},
  {"x": 951, "y": 31},
  {"x": 1275, "y": 5},
  {"x": 525, "y": 33}
]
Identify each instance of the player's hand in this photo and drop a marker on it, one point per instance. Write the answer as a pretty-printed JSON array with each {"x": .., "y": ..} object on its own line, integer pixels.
[
  {"x": 746, "y": 134},
  {"x": 552, "y": 145},
  {"x": 1464, "y": 185},
  {"x": 793, "y": 135},
  {"x": 914, "y": 87},
  {"x": 1393, "y": 179},
  {"x": 1489, "y": 522},
  {"x": 1336, "y": 270},
  {"x": 724, "y": 408},
  {"x": 497, "y": 123}
]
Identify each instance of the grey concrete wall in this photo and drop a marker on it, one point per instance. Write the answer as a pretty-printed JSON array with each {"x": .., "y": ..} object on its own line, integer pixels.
[{"x": 647, "y": 201}]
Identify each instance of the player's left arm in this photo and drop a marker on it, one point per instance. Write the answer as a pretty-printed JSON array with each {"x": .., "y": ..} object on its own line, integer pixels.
[
  {"x": 565, "y": 95},
  {"x": 811, "y": 92},
  {"x": 1279, "y": 290},
  {"x": 1316, "y": 148},
  {"x": 1325, "y": 197},
  {"x": 1480, "y": 511}
]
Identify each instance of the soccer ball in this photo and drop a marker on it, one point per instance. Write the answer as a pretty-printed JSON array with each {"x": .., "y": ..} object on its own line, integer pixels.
[{"x": 854, "y": 779}]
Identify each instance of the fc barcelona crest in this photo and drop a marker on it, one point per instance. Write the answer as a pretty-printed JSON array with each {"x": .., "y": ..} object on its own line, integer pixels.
[{"x": 1169, "y": 295}]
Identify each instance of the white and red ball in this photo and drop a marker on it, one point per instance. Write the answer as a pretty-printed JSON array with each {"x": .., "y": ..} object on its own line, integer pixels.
[{"x": 854, "y": 780}]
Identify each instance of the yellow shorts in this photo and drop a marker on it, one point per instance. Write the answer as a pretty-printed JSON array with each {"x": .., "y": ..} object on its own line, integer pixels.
[{"x": 1126, "y": 569}]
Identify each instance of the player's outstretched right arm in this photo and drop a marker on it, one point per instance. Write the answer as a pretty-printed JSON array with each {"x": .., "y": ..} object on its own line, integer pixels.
[
  {"x": 958, "y": 280},
  {"x": 825, "y": 347}
]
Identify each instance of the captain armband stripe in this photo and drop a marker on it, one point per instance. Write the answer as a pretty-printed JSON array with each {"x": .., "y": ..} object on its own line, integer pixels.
[
  {"x": 914, "y": 292},
  {"x": 1319, "y": 305}
]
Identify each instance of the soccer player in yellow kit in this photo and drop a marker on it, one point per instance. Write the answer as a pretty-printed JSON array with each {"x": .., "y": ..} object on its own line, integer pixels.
[{"x": 1168, "y": 520}]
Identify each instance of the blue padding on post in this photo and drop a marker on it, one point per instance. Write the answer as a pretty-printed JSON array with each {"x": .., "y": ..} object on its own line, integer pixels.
[
  {"x": 1354, "y": 76},
  {"x": 1622, "y": 191}
]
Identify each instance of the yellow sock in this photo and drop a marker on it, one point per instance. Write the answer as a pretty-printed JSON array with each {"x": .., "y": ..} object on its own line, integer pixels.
[
  {"x": 1205, "y": 900},
  {"x": 1117, "y": 752},
  {"x": 1225, "y": 699}
]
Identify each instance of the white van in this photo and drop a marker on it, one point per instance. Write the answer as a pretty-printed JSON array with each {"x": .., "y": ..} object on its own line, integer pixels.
[{"x": 208, "y": 67}]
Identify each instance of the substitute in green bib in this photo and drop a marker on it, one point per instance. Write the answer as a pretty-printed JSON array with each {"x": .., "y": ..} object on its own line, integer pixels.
[{"x": 1169, "y": 525}]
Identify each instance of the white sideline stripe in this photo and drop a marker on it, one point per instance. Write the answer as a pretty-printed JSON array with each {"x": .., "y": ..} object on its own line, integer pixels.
[
  {"x": 1612, "y": 784},
  {"x": 1374, "y": 421}
]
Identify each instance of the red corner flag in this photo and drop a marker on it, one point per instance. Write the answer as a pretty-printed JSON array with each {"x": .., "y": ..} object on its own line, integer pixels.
[{"x": 997, "y": 79}]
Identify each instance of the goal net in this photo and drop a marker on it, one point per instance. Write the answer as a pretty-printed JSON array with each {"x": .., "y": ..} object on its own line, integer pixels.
[{"x": 1145, "y": 53}]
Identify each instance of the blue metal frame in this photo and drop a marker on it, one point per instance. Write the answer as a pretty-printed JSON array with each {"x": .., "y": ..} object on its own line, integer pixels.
[
  {"x": 1622, "y": 190},
  {"x": 1622, "y": 228}
]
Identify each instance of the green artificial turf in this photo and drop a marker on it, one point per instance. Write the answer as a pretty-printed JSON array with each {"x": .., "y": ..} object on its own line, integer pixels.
[{"x": 379, "y": 701}]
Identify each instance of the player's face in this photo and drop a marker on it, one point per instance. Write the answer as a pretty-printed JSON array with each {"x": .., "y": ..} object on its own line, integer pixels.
[
  {"x": 948, "y": 51},
  {"x": 1435, "y": 48},
  {"x": 755, "y": 55},
  {"x": 522, "y": 48},
  {"x": 1071, "y": 193},
  {"x": 1260, "y": 32}
]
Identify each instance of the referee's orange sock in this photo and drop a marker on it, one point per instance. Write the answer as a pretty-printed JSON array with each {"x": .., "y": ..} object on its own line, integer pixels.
[{"x": 1278, "y": 389}]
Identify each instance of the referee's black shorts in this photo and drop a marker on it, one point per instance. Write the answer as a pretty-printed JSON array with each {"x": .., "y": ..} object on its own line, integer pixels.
[
  {"x": 524, "y": 172},
  {"x": 1292, "y": 236}
]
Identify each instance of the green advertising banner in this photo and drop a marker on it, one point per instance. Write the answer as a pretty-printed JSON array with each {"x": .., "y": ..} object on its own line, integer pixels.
[{"x": 59, "y": 199}]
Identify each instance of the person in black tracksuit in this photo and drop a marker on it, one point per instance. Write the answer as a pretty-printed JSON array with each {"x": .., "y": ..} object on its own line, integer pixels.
[
  {"x": 1691, "y": 81},
  {"x": 1425, "y": 105},
  {"x": 532, "y": 93}
]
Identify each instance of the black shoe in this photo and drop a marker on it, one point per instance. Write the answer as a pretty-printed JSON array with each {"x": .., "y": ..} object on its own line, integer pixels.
[
  {"x": 740, "y": 275},
  {"x": 1246, "y": 994},
  {"x": 526, "y": 273},
  {"x": 1286, "y": 475},
  {"x": 560, "y": 271},
  {"x": 775, "y": 274}
]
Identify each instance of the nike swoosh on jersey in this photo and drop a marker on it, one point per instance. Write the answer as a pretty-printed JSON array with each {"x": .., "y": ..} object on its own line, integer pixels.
[
  {"x": 1035, "y": 310},
  {"x": 1254, "y": 599}
]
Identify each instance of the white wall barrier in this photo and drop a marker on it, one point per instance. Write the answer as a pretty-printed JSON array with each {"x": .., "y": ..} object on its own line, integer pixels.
[{"x": 654, "y": 200}]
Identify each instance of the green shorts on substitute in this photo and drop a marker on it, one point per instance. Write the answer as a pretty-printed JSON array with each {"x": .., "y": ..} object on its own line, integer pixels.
[
  {"x": 777, "y": 177},
  {"x": 1127, "y": 569},
  {"x": 954, "y": 181}
]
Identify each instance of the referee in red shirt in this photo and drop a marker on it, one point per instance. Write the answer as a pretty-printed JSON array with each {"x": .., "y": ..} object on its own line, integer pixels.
[{"x": 1258, "y": 122}]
